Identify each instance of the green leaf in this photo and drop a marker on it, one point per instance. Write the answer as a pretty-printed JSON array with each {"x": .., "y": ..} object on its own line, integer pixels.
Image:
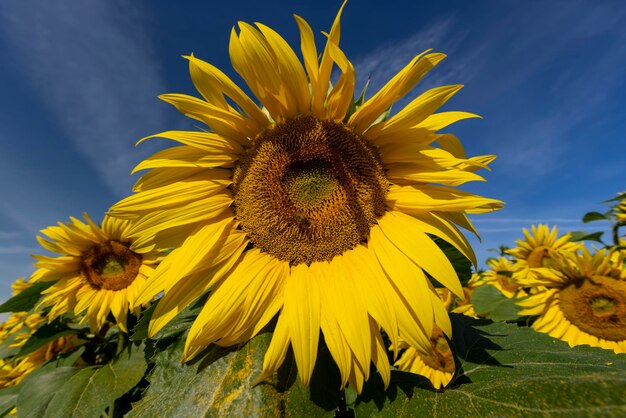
[
  {"x": 45, "y": 334},
  {"x": 489, "y": 302},
  {"x": 8, "y": 399},
  {"x": 80, "y": 392},
  {"x": 461, "y": 264},
  {"x": 596, "y": 216},
  {"x": 509, "y": 371},
  {"x": 140, "y": 330},
  {"x": 40, "y": 387},
  {"x": 620, "y": 196},
  {"x": 586, "y": 236},
  {"x": 26, "y": 299},
  {"x": 221, "y": 383}
]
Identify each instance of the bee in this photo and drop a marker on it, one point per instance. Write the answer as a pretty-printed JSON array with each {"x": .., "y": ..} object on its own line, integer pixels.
[{"x": 301, "y": 219}]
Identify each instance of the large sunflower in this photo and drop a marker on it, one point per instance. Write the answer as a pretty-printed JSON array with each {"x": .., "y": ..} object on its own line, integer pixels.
[
  {"x": 100, "y": 269},
  {"x": 311, "y": 208},
  {"x": 585, "y": 303}
]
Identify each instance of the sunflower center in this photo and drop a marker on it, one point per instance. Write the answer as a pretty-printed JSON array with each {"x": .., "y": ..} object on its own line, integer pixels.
[
  {"x": 597, "y": 307},
  {"x": 309, "y": 184},
  {"x": 441, "y": 357},
  {"x": 110, "y": 265},
  {"x": 307, "y": 190}
]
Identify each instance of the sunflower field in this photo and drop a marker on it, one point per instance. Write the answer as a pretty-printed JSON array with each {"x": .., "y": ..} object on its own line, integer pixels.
[{"x": 302, "y": 254}]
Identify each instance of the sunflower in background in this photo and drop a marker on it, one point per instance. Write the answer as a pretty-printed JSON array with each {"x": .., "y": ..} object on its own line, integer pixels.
[
  {"x": 437, "y": 364},
  {"x": 313, "y": 208},
  {"x": 540, "y": 250},
  {"x": 584, "y": 303},
  {"x": 99, "y": 271},
  {"x": 14, "y": 333}
]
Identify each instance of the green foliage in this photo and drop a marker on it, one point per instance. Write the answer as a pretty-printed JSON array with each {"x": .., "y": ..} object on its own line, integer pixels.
[
  {"x": 45, "y": 334},
  {"x": 586, "y": 236},
  {"x": 25, "y": 300},
  {"x": 8, "y": 398},
  {"x": 220, "y": 382},
  {"x": 489, "y": 302},
  {"x": 54, "y": 391},
  {"x": 508, "y": 370},
  {"x": 596, "y": 216}
]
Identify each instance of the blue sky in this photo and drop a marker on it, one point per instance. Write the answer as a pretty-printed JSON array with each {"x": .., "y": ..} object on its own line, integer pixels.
[{"x": 80, "y": 79}]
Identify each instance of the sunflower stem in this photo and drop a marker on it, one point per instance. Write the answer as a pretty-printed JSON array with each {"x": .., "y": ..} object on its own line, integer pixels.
[
  {"x": 122, "y": 339},
  {"x": 342, "y": 409}
]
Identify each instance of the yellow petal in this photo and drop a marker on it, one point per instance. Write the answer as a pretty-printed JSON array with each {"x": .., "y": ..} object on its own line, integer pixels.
[
  {"x": 188, "y": 157},
  {"x": 302, "y": 314},
  {"x": 226, "y": 86},
  {"x": 397, "y": 87},
  {"x": 290, "y": 69},
  {"x": 326, "y": 66},
  {"x": 418, "y": 109},
  {"x": 417, "y": 199},
  {"x": 405, "y": 233},
  {"x": 342, "y": 94},
  {"x": 276, "y": 352}
]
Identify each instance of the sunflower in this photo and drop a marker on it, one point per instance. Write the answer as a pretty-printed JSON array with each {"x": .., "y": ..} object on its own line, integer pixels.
[
  {"x": 584, "y": 304},
  {"x": 540, "y": 250},
  {"x": 100, "y": 269},
  {"x": 500, "y": 276},
  {"x": 437, "y": 365},
  {"x": 13, "y": 371},
  {"x": 311, "y": 208}
]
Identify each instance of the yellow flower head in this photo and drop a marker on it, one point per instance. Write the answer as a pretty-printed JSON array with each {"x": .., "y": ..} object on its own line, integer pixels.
[
  {"x": 309, "y": 207},
  {"x": 14, "y": 370},
  {"x": 584, "y": 304},
  {"x": 540, "y": 250},
  {"x": 437, "y": 365},
  {"x": 499, "y": 275},
  {"x": 99, "y": 270}
]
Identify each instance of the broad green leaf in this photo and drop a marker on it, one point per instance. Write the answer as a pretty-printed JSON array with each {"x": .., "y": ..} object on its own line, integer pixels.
[
  {"x": 40, "y": 387},
  {"x": 489, "y": 302},
  {"x": 510, "y": 371},
  {"x": 596, "y": 216},
  {"x": 26, "y": 299},
  {"x": 80, "y": 392},
  {"x": 586, "y": 236},
  {"x": 221, "y": 383},
  {"x": 8, "y": 399},
  {"x": 45, "y": 334}
]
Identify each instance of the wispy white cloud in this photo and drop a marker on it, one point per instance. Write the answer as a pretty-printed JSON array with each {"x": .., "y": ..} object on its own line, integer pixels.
[
  {"x": 518, "y": 229},
  {"x": 91, "y": 62},
  {"x": 526, "y": 220},
  {"x": 17, "y": 249},
  {"x": 442, "y": 35}
]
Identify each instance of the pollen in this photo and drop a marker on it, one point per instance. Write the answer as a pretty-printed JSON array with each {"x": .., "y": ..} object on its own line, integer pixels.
[
  {"x": 597, "y": 307},
  {"x": 307, "y": 190},
  {"x": 110, "y": 265}
]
